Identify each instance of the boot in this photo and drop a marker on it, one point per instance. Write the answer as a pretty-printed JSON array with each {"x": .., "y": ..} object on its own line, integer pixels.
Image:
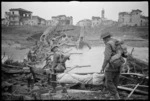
[{"x": 117, "y": 97}]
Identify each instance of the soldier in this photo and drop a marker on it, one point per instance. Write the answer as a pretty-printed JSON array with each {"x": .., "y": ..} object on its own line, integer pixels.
[
  {"x": 58, "y": 66},
  {"x": 81, "y": 44},
  {"x": 112, "y": 63}
]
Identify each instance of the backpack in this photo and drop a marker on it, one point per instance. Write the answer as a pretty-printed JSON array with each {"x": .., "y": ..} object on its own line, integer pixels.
[{"x": 119, "y": 51}]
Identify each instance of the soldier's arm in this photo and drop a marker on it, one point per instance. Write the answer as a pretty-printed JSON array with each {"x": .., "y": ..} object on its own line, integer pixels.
[{"x": 107, "y": 55}]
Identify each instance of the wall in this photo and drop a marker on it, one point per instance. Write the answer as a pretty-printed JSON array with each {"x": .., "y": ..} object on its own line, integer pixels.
[
  {"x": 96, "y": 22},
  {"x": 136, "y": 19}
]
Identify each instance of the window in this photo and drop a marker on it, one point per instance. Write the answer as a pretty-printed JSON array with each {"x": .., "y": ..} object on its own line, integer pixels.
[
  {"x": 13, "y": 13},
  {"x": 130, "y": 19}
]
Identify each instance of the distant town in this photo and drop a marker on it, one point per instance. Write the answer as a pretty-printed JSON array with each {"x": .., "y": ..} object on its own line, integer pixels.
[{"x": 19, "y": 16}]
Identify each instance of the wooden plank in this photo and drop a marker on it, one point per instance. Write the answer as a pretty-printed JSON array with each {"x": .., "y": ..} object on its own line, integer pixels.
[
  {"x": 133, "y": 90},
  {"x": 135, "y": 74},
  {"x": 81, "y": 91},
  {"x": 130, "y": 89},
  {"x": 134, "y": 85}
]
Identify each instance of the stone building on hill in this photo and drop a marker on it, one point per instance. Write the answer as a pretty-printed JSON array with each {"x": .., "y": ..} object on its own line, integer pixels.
[{"x": 133, "y": 18}]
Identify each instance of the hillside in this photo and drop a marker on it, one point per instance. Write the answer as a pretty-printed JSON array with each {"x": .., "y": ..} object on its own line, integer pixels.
[{"x": 29, "y": 34}]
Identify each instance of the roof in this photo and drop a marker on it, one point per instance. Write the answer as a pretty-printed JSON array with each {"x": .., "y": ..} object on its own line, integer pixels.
[
  {"x": 61, "y": 16},
  {"x": 38, "y": 17},
  {"x": 137, "y": 10},
  {"x": 144, "y": 17},
  {"x": 124, "y": 13},
  {"x": 20, "y": 9},
  {"x": 97, "y": 18},
  {"x": 58, "y": 16}
]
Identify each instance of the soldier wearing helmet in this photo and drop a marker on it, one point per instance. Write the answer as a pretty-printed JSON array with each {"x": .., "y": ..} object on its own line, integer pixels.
[
  {"x": 111, "y": 67},
  {"x": 58, "y": 66}
]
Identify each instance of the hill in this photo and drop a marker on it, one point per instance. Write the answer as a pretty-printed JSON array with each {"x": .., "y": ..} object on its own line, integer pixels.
[{"x": 29, "y": 34}]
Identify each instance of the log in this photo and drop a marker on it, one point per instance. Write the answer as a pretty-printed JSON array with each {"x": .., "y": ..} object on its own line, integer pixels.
[
  {"x": 135, "y": 74},
  {"x": 130, "y": 89},
  {"x": 133, "y": 90},
  {"x": 7, "y": 71},
  {"x": 10, "y": 66},
  {"x": 81, "y": 91},
  {"x": 134, "y": 85}
]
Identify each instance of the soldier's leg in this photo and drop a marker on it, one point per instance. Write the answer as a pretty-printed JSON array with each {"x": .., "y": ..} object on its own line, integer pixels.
[
  {"x": 53, "y": 83},
  {"x": 116, "y": 78},
  {"x": 109, "y": 83},
  {"x": 116, "y": 81},
  {"x": 64, "y": 90}
]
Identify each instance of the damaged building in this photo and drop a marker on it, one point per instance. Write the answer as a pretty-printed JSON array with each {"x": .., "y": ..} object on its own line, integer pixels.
[
  {"x": 133, "y": 18},
  {"x": 36, "y": 20},
  {"x": 17, "y": 16},
  {"x": 84, "y": 23},
  {"x": 96, "y": 21},
  {"x": 63, "y": 19}
]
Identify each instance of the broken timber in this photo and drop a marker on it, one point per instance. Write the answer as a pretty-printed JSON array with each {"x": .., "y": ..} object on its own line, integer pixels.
[
  {"x": 133, "y": 90},
  {"x": 130, "y": 89}
]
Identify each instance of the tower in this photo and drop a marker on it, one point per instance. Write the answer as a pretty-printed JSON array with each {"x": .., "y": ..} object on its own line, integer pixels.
[{"x": 102, "y": 14}]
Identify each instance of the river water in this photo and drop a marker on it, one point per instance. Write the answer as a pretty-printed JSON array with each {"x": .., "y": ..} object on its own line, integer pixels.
[{"x": 93, "y": 57}]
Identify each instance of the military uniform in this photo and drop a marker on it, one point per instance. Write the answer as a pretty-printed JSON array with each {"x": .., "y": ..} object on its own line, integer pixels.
[
  {"x": 58, "y": 66},
  {"x": 112, "y": 68}
]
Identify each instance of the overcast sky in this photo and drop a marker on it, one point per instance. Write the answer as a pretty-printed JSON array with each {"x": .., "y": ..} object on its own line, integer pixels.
[{"x": 78, "y": 10}]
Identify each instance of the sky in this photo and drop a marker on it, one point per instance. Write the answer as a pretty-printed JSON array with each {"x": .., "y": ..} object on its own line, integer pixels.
[{"x": 78, "y": 10}]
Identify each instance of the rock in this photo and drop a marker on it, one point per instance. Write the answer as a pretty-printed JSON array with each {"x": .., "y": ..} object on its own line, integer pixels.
[
  {"x": 58, "y": 96},
  {"x": 45, "y": 96},
  {"x": 35, "y": 88},
  {"x": 28, "y": 98}
]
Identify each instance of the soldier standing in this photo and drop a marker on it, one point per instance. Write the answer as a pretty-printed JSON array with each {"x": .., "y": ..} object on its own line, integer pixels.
[
  {"x": 58, "y": 66},
  {"x": 82, "y": 43},
  {"x": 111, "y": 70}
]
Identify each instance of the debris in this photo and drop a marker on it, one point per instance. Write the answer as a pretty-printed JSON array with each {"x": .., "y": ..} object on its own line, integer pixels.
[
  {"x": 129, "y": 89},
  {"x": 133, "y": 91}
]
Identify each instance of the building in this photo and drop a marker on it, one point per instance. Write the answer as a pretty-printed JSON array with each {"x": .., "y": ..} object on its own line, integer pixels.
[
  {"x": 17, "y": 16},
  {"x": 3, "y": 21},
  {"x": 84, "y": 23},
  {"x": 108, "y": 22},
  {"x": 96, "y": 21},
  {"x": 42, "y": 21},
  {"x": 133, "y": 18},
  {"x": 63, "y": 19},
  {"x": 51, "y": 22},
  {"x": 36, "y": 20}
]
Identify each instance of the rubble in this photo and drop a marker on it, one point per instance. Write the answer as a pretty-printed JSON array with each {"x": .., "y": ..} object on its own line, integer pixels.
[{"x": 28, "y": 82}]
